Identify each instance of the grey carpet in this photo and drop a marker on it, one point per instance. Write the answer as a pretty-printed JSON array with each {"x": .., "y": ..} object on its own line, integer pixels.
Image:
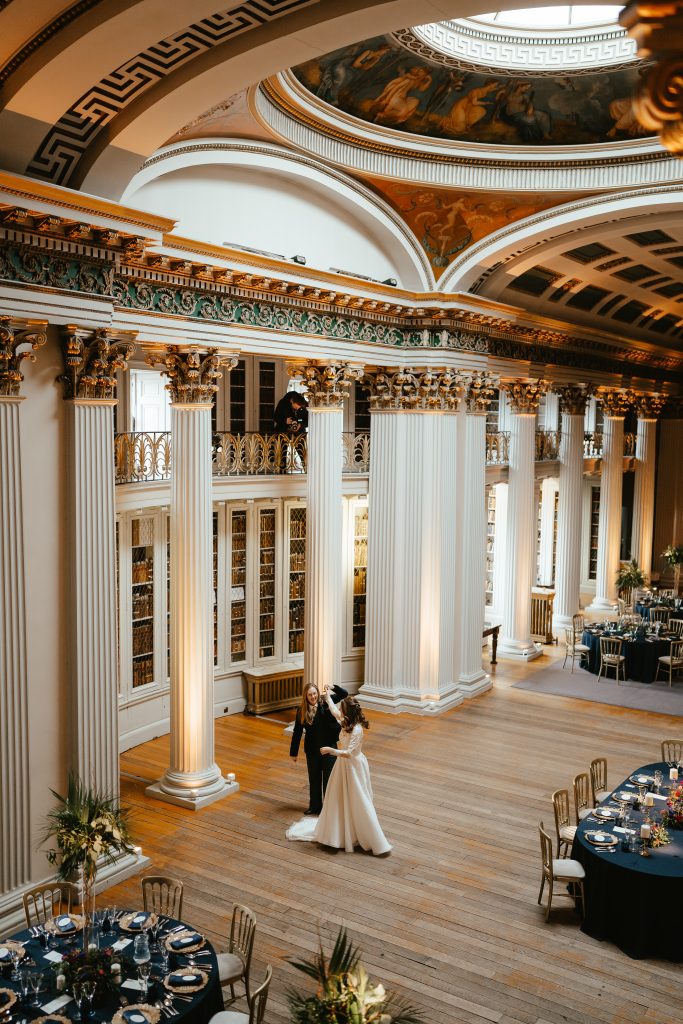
[{"x": 584, "y": 685}]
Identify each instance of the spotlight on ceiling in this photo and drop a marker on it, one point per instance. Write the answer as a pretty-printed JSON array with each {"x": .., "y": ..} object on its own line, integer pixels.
[
  {"x": 364, "y": 277},
  {"x": 264, "y": 252}
]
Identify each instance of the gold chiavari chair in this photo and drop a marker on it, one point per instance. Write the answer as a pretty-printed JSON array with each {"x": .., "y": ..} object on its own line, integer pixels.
[
  {"x": 599, "y": 789},
  {"x": 563, "y": 826},
  {"x": 582, "y": 795},
  {"x": 672, "y": 662},
  {"x": 257, "y": 1006},
  {"x": 162, "y": 895},
  {"x": 49, "y": 900},
  {"x": 564, "y": 870},
  {"x": 672, "y": 750},
  {"x": 660, "y": 615},
  {"x": 574, "y": 648},
  {"x": 235, "y": 964},
  {"x": 611, "y": 657},
  {"x": 676, "y": 626}
]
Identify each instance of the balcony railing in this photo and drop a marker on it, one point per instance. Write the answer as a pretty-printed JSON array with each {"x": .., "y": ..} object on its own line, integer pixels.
[
  {"x": 144, "y": 457},
  {"x": 630, "y": 446},
  {"x": 498, "y": 448},
  {"x": 547, "y": 445},
  {"x": 593, "y": 445}
]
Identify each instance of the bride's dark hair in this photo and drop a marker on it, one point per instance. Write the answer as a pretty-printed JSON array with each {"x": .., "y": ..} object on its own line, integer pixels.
[{"x": 352, "y": 714}]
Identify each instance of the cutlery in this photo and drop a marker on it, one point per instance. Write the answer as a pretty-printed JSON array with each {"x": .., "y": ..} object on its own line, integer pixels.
[{"x": 160, "y": 1006}]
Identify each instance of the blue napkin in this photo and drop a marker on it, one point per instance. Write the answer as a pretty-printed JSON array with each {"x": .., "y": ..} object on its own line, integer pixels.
[
  {"x": 4, "y": 998},
  {"x": 187, "y": 940},
  {"x": 65, "y": 924},
  {"x": 139, "y": 920},
  {"x": 134, "y": 1017},
  {"x": 182, "y": 980}
]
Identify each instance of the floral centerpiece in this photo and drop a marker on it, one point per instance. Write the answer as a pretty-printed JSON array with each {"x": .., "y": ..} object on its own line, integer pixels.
[
  {"x": 344, "y": 993},
  {"x": 673, "y": 815},
  {"x": 90, "y": 965},
  {"x": 87, "y": 825},
  {"x": 658, "y": 837},
  {"x": 673, "y": 556}
]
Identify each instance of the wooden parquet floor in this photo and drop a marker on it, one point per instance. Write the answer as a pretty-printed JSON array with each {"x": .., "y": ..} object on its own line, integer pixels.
[{"x": 450, "y": 917}]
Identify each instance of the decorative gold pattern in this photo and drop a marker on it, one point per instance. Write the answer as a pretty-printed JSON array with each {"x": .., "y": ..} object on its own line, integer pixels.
[
  {"x": 480, "y": 390},
  {"x": 91, "y": 360},
  {"x": 414, "y": 389},
  {"x": 18, "y": 341},
  {"x": 547, "y": 445},
  {"x": 192, "y": 373},
  {"x": 615, "y": 402},
  {"x": 327, "y": 384},
  {"x": 650, "y": 406},
  {"x": 573, "y": 397},
  {"x": 498, "y": 448},
  {"x": 524, "y": 394}
]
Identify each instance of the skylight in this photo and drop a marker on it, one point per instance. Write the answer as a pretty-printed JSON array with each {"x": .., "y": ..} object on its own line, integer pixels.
[{"x": 551, "y": 17}]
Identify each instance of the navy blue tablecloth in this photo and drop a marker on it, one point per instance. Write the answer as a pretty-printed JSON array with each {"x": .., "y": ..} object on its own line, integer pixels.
[
  {"x": 641, "y": 656},
  {"x": 633, "y": 901}
]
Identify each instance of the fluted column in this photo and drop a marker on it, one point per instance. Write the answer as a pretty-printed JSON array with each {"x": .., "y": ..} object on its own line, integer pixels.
[
  {"x": 410, "y": 643},
  {"x": 17, "y": 342},
  {"x": 573, "y": 399},
  {"x": 91, "y": 361},
  {"x": 193, "y": 779},
  {"x": 615, "y": 403},
  {"x": 649, "y": 407},
  {"x": 327, "y": 386},
  {"x": 515, "y": 638},
  {"x": 472, "y": 537},
  {"x": 545, "y": 570}
]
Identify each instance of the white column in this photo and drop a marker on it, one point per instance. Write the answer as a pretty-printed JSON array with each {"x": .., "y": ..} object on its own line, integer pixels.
[
  {"x": 609, "y": 527},
  {"x": 569, "y": 516},
  {"x": 649, "y": 407},
  {"x": 410, "y": 648},
  {"x": 193, "y": 779},
  {"x": 472, "y": 551},
  {"x": 499, "y": 552},
  {"x": 515, "y": 638},
  {"x": 15, "y": 825},
  {"x": 552, "y": 411},
  {"x": 546, "y": 561}
]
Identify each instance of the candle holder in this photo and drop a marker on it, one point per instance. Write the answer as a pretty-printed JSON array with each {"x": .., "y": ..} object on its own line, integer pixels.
[{"x": 644, "y": 851}]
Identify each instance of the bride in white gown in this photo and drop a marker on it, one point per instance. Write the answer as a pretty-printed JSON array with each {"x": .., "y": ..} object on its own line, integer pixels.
[{"x": 348, "y": 817}]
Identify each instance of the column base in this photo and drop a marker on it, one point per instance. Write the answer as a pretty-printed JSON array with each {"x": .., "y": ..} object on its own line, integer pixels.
[
  {"x": 471, "y": 685},
  {"x": 601, "y": 605},
  {"x": 397, "y": 702},
  {"x": 526, "y": 649},
  {"x": 192, "y": 790}
]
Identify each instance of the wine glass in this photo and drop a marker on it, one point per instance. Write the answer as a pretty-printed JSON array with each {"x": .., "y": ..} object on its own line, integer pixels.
[
  {"x": 36, "y": 980},
  {"x": 144, "y": 971},
  {"x": 25, "y": 984},
  {"x": 15, "y": 956},
  {"x": 658, "y": 779},
  {"x": 164, "y": 955},
  {"x": 79, "y": 996},
  {"x": 89, "y": 993}
]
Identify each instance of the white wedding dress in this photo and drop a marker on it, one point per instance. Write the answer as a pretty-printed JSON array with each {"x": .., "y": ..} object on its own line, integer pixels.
[{"x": 348, "y": 817}]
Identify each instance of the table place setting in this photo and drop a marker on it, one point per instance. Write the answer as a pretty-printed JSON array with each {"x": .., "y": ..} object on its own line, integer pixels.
[
  {"x": 185, "y": 941},
  {"x": 65, "y": 924},
  {"x": 137, "y": 921},
  {"x": 137, "y": 1013}
]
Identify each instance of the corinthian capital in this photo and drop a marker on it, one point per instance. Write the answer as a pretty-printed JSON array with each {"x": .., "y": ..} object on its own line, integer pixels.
[
  {"x": 480, "y": 389},
  {"x": 18, "y": 341},
  {"x": 524, "y": 394},
  {"x": 327, "y": 384},
  {"x": 91, "y": 359},
  {"x": 615, "y": 402},
  {"x": 193, "y": 373},
  {"x": 573, "y": 397},
  {"x": 414, "y": 389},
  {"x": 649, "y": 406}
]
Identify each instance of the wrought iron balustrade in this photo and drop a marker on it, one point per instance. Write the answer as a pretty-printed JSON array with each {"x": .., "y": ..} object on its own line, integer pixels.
[
  {"x": 142, "y": 456},
  {"x": 547, "y": 445},
  {"x": 498, "y": 448}
]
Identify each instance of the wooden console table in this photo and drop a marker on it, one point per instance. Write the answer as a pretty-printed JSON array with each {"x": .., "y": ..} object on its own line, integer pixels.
[{"x": 493, "y": 632}]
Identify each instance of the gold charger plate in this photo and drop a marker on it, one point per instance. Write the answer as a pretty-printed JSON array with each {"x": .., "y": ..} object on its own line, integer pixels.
[
  {"x": 624, "y": 795},
  {"x": 185, "y": 989},
  {"x": 14, "y": 947},
  {"x": 641, "y": 780},
  {"x": 50, "y": 1018},
  {"x": 124, "y": 923},
  {"x": 601, "y": 838},
  {"x": 186, "y": 949},
  {"x": 51, "y": 926},
  {"x": 608, "y": 813},
  {"x": 150, "y": 1013},
  {"x": 10, "y": 1002}
]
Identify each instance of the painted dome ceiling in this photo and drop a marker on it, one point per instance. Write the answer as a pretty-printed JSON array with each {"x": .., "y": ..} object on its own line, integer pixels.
[{"x": 399, "y": 82}]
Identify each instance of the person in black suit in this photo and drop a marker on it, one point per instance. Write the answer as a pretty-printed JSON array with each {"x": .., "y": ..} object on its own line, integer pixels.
[{"x": 321, "y": 729}]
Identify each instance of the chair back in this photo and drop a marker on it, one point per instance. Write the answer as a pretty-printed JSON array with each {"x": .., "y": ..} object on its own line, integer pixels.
[
  {"x": 570, "y": 638},
  {"x": 561, "y": 808},
  {"x": 49, "y": 900},
  {"x": 676, "y": 652},
  {"x": 676, "y": 626},
  {"x": 598, "y": 776},
  {"x": 672, "y": 750},
  {"x": 242, "y": 929},
  {"x": 162, "y": 895},
  {"x": 581, "y": 784},
  {"x": 257, "y": 1004},
  {"x": 621, "y": 606},
  {"x": 659, "y": 615},
  {"x": 546, "y": 851},
  {"x": 578, "y": 623},
  {"x": 610, "y": 647}
]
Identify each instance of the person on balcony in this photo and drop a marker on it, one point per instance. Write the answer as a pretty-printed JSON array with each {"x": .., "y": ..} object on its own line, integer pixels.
[{"x": 290, "y": 418}]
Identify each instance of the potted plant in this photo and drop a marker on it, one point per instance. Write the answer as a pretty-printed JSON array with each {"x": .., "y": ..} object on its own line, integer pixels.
[
  {"x": 86, "y": 825},
  {"x": 630, "y": 577},
  {"x": 344, "y": 993},
  {"x": 673, "y": 556}
]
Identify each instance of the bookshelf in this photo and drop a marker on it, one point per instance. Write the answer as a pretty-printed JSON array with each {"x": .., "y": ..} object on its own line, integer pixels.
[
  {"x": 238, "y": 585},
  {"x": 594, "y": 525},
  {"x": 490, "y": 544},
  {"x": 296, "y": 579},
  {"x": 142, "y": 601},
  {"x": 360, "y": 574},
  {"x": 266, "y": 582}
]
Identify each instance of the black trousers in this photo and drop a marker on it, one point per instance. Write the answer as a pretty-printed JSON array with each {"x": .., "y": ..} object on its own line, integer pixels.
[{"x": 319, "y": 770}]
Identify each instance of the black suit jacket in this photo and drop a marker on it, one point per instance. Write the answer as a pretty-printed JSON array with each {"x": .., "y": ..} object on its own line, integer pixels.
[{"x": 324, "y": 729}]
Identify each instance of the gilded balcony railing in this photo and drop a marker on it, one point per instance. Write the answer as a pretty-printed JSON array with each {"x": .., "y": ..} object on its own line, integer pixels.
[
  {"x": 547, "y": 445},
  {"x": 630, "y": 445},
  {"x": 498, "y": 448},
  {"x": 142, "y": 457},
  {"x": 147, "y": 456},
  {"x": 592, "y": 445}
]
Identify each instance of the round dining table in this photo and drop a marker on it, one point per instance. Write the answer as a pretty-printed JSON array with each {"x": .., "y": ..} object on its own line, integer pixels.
[
  {"x": 642, "y": 654},
  {"x": 636, "y": 902},
  {"x": 197, "y": 1008}
]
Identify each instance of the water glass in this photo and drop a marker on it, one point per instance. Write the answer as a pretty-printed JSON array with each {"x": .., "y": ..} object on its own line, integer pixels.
[
  {"x": 15, "y": 957},
  {"x": 36, "y": 980},
  {"x": 89, "y": 992},
  {"x": 633, "y": 842},
  {"x": 141, "y": 952},
  {"x": 658, "y": 780},
  {"x": 79, "y": 997},
  {"x": 144, "y": 971},
  {"x": 25, "y": 984}
]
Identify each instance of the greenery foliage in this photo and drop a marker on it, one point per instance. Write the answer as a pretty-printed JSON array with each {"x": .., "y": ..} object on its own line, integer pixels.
[
  {"x": 630, "y": 576},
  {"x": 673, "y": 555},
  {"x": 344, "y": 994},
  {"x": 86, "y": 824}
]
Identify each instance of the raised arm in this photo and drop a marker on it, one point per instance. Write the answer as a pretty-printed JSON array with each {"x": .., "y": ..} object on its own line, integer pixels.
[{"x": 332, "y": 701}]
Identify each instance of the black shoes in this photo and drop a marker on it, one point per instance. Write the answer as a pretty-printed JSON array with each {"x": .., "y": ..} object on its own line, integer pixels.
[{"x": 309, "y": 810}]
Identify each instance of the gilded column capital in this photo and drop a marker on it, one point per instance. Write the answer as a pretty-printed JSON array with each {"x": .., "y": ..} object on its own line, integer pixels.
[
  {"x": 19, "y": 340},
  {"x": 524, "y": 393},
  {"x": 649, "y": 406},
  {"x": 193, "y": 373},
  {"x": 327, "y": 384},
  {"x": 91, "y": 359},
  {"x": 573, "y": 397},
  {"x": 414, "y": 389},
  {"x": 480, "y": 389},
  {"x": 615, "y": 402}
]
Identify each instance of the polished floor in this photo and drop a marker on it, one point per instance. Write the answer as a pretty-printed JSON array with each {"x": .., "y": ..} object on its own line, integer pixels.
[{"x": 450, "y": 917}]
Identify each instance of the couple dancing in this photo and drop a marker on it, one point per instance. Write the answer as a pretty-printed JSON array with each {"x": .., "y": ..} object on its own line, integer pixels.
[{"x": 347, "y": 817}]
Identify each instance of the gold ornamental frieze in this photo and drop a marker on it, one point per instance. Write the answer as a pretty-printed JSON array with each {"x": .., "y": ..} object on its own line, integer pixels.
[
  {"x": 193, "y": 373},
  {"x": 327, "y": 384},
  {"x": 524, "y": 394},
  {"x": 616, "y": 402},
  {"x": 649, "y": 406},
  {"x": 414, "y": 389},
  {"x": 573, "y": 397},
  {"x": 92, "y": 359},
  {"x": 19, "y": 340}
]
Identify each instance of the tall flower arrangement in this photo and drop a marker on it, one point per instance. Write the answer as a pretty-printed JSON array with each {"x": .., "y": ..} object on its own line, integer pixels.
[
  {"x": 673, "y": 815},
  {"x": 673, "y": 556},
  {"x": 344, "y": 993}
]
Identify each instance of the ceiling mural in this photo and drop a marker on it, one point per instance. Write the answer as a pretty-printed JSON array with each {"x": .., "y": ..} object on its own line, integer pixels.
[
  {"x": 447, "y": 221},
  {"x": 231, "y": 117},
  {"x": 381, "y": 82}
]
